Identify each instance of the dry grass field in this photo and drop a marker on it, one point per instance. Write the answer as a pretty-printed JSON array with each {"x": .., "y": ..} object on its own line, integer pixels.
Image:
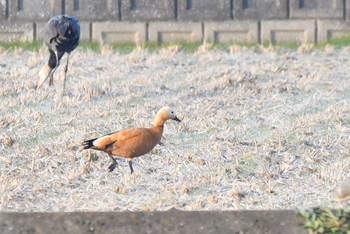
[{"x": 262, "y": 128}]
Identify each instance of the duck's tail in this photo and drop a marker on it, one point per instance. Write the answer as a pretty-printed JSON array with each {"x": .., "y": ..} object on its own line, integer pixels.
[{"x": 88, "y": 143}]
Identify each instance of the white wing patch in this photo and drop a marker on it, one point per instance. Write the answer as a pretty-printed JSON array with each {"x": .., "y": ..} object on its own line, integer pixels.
[{"x": 98, "y": 141}]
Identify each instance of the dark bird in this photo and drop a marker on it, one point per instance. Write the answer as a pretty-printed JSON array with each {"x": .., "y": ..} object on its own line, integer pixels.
[
  {"x": 62, "y": 35},
  {"x": 132, "y": 142}
]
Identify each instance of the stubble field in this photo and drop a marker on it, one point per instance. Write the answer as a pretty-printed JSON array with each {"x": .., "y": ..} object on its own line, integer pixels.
[{"x": 262, "y": 129}]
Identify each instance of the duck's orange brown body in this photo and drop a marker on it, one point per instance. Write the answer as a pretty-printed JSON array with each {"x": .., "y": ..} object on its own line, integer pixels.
[{"x": 132, "y": 142}]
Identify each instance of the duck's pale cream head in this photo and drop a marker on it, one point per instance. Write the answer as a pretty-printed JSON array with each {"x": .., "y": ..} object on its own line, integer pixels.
[{"x": 167, "y": 113}]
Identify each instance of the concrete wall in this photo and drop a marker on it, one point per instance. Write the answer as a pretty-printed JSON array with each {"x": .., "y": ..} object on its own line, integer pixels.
[
  {"x": 172, "y": 221},
  {"x": 160, "y": 21}
]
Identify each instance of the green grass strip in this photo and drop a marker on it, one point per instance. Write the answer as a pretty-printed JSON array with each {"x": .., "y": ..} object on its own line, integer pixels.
[{"x": 127, "y": 47}]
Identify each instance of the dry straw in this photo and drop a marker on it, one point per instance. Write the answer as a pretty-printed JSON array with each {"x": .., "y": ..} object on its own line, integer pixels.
[{"x": 262, "y": 129}]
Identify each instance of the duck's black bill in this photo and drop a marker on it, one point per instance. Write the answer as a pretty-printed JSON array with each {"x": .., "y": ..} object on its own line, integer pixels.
[{"x": 177, "y": 119}]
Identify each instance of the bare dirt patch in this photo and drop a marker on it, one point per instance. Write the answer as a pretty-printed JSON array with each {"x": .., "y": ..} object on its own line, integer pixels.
[{"x": 262, "y": 129}]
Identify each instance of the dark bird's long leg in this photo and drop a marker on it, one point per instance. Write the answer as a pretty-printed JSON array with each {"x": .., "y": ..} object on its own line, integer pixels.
[
  {"x": 130, "y": 165},
  {"x": 58, "y": 56},
  {"x": 114, "y": 163},
  {"x": 54, "y": 69},
  {"x": 65, "y": 73},
  {"x": 51, "y": 79}
]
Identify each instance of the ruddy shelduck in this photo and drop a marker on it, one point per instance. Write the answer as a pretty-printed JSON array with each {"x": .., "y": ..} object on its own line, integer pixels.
[{"x": 132, "y": 142}]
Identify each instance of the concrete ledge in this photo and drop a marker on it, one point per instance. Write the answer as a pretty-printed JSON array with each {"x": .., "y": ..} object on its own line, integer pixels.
[
  {"x": 172, "y": 221},
  {"x": 40, "y": 30},
  {"x": 16, "y": 31},
  {"x": 328, "y": 29},
  {"x": 85, "y": 31},
  {"x": 247, "y": 31},
  {"x": 231, "y": 31},
  {"x": 288, "y": 31},
  {"x": 119, "y": 32},
  {"x": 174, "y": 32}
]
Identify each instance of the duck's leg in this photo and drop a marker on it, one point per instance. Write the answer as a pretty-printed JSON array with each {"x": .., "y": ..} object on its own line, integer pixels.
[
  {"x": 113, "y": 165},
  {"x": 130, "y": 165}
]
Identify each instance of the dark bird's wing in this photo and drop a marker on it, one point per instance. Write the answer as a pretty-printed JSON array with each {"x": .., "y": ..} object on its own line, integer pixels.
[{"x": 52, "y": 31}]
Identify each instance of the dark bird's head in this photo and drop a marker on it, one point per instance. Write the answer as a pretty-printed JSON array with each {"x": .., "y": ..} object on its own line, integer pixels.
[
  {"x": 69, "y": 33},
  {"x": 72, "y": 27}
]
